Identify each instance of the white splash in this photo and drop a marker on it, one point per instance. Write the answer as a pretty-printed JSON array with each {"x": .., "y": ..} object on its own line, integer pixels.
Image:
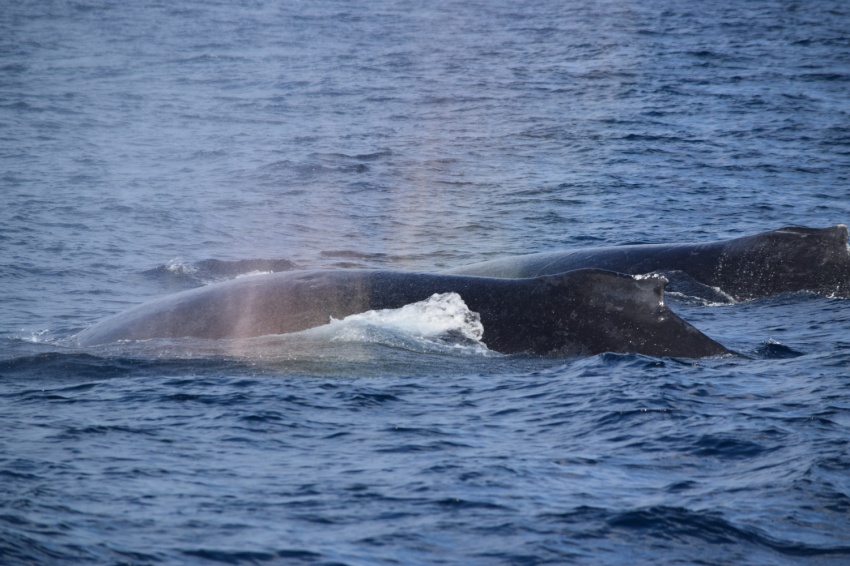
[
  {"x": 38, "y": 336},
  {"x": 440, "y": 314},
  {"x": 439, "y": 321},
  {"x": 179, "y": 266}
]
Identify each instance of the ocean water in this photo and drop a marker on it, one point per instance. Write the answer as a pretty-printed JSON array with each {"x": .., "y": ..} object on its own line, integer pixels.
[{"x": 152, "y": 146}]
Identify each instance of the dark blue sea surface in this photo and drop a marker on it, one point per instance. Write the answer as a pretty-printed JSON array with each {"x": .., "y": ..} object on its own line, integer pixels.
[{"x": 150, "y": 147}]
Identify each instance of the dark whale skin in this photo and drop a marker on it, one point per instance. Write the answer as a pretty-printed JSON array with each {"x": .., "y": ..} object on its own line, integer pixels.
[
  {"x": 581, "y": 312},
  {"x": 787, "y": 260}
]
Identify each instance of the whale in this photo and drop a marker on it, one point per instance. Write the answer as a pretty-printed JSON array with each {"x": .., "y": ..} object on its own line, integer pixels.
[
  {"x": 581, "y": 312},
  {"x": 787, "y": 260}
]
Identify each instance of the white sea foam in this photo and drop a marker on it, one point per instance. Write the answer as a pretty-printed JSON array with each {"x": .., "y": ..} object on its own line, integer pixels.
[
  {"x": 439, "y": 314},
  {"x": 179, "y": 266},
  {"x": 439, "y": 321},
  {"x": 38, "y": 336}
]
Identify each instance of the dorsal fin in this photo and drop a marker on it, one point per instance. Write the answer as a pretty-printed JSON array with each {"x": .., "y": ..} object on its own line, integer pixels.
[
  {"x": 647, "y": 288},
  {"x": 653, "y": 283}
]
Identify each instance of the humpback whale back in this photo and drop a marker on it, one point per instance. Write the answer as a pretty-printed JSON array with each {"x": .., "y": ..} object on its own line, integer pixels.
[
  {"x": 585, "y": 311},
  {"x": 785, "y": 260},
  {"x": 790, "y": 259}
]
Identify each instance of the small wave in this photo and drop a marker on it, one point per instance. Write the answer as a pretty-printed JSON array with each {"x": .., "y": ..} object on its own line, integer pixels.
[
  {"x": 774, "y": 350},
  {"x": 673, "y": 527},
  {"x": 69, "y": 365},
  {"x": 335, "y": 157},
  {"x": 727, "y": 448},
  {"x": 251, "y": 557},
  {"x": 318, "y": 165},
  {"x": 115, "y": 361}
]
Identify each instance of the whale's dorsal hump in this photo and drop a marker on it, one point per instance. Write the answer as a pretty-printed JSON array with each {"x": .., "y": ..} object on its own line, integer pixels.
[{"x": 838, "y": 232}]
